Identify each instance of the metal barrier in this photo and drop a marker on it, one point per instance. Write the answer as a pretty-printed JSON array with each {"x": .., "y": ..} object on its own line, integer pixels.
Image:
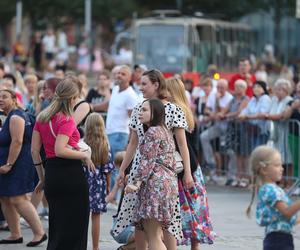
[{"x": 239, "y": 139}]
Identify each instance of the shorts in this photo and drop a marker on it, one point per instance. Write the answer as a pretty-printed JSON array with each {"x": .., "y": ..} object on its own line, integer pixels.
[
  {"x": 125, "y": 235},
  {"x": 278, "y": 241}
]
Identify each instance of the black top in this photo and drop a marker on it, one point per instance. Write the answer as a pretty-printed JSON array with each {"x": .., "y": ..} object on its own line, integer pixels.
[
  {"x": 81, "y": 124},
  {"x": 193, "y": 147},
  {"x": 94, "y": 97}
]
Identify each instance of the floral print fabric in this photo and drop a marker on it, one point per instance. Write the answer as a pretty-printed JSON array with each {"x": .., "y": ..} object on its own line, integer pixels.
[
  {"x": 196, "y": 223},
  {"x": 266, "y": 213},
  {"x": 98, "y": 187},
  {"x": 157, "y": 196}
]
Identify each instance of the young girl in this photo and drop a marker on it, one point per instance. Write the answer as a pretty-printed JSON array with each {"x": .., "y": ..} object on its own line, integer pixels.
[
  {"x": 99, "y": 180},
  {"x": 275, "y": 210},
  {"x": 156, "y": 181}
]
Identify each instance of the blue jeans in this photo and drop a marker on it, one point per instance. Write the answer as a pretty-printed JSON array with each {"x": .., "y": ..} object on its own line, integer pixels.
[
  {"x": 117, "y": 142},
  {"x": 125, "y": 235}
]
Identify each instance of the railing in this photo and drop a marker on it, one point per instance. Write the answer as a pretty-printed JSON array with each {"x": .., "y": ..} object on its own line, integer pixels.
[{"x": 238, "y": 140}]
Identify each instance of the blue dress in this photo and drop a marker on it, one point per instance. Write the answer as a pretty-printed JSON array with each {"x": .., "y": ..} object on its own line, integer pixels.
[
  {"x": 98, "y": 186},
  {"x": 19, "y": 180}
]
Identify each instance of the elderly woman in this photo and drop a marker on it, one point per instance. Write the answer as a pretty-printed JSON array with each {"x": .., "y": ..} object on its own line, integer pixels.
[
  {"x": 280, "y": 125},
  {"x": 256, "y": 127},
  {"x": 234, "y": 144},
  {"x": 17, "y": 171}
]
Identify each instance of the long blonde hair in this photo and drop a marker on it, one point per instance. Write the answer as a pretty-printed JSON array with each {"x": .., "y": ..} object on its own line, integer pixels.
[
  {"x": 65, "y": 91},
  {"x": 96, "y": 138},
  {"x": 37, "y": 100},
  {"x": 176, "y": 89},
  {"x": 260, "y": 157}
]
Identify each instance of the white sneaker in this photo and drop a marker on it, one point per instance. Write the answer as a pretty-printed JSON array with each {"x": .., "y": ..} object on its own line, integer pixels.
[{"x": 235, "y": 183}]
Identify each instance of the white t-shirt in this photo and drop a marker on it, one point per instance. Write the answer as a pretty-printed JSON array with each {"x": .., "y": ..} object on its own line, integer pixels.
[
  {"x": 117, "y": 115},
  {"x": 49, "y": 43},
  {"x": 223, "y": 102}
]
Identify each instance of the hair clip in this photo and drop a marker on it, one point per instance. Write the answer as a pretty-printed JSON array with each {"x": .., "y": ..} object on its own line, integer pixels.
[{"x": 262, "y": 164}]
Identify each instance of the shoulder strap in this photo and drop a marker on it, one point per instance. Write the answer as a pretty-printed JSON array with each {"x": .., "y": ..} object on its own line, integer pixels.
[
  {"x": 77, "y": 105},
  {"x": 51, "y": 129}
]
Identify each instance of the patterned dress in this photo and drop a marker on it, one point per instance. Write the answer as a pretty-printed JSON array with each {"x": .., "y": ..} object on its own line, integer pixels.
[
  {"x": 267, "y": 215},
  {"x": 157, "y": 196},
  {"x": 196, "y": 223},
  {"x": 174, "y": 118},
  {"x": 98, "y": 187}
]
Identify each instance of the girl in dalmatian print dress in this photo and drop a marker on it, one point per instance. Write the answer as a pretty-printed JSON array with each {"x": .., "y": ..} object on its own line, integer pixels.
[{"x": 153, "y": 85}]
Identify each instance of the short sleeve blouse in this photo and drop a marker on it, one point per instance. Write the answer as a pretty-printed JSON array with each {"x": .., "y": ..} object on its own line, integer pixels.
[
  {"x": 174, "y": 118},
  {"x": 62, "y": 125},
  {"x": 266, "y": 213}
]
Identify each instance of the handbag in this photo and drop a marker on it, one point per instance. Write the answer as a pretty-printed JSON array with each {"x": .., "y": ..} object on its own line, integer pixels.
[
  {"x": 83, "y": 147},
  {"x": 179, "y": 162}
]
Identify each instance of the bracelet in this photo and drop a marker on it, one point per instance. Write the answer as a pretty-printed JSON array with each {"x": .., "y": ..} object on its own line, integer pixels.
[
  {"x": 9, "y": 164},
  {"x": 38, "y": 164}
]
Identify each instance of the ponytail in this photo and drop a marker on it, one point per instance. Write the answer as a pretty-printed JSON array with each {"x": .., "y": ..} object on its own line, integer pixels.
[{"x": 254, "y": 191}]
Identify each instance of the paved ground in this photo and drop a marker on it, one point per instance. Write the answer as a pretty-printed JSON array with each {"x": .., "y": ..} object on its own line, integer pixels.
[{"x": 227, "y": 206}]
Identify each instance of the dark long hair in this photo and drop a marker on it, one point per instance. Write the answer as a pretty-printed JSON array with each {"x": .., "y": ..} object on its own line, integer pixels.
[{"x": 157, "y": 109}]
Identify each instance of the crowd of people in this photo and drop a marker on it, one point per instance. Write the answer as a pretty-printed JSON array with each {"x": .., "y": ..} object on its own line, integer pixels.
[
  {"x": 238, "y": 115},
  {"x": 135, "y": 141}
]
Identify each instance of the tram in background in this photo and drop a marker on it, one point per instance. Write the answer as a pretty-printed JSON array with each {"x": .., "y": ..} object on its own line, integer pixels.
[{"x": 180, "y": 44}]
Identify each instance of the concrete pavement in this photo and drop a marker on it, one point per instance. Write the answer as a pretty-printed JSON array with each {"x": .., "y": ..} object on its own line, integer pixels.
[{"x": 227, "y": 208}]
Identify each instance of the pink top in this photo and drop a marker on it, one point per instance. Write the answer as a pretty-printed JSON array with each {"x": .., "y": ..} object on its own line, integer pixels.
[{"x": 61, "y": 124}]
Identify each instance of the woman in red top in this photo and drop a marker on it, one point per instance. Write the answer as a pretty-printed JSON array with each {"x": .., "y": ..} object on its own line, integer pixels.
[{"x": 64, "y": 181}]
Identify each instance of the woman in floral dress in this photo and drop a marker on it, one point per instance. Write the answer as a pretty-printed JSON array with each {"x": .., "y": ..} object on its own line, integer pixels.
[
  {"x": 156, "y": 180},
  {"x": 153, "y": 85},
  {"x": 196, "y": 224}
]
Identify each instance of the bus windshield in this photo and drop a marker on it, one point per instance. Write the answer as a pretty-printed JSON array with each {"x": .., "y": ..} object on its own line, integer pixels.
[{"x": 162, "y": 47}]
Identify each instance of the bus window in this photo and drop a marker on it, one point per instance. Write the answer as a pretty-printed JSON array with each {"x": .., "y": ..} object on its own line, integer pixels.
[
  {"x": 162, "y": 46},
  {"x": 205, "y": 33}
]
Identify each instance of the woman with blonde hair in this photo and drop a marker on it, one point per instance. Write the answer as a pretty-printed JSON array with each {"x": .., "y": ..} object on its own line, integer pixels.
[
  {"x": 196, "y": 224},
  {"x": 64, "y": 181}
]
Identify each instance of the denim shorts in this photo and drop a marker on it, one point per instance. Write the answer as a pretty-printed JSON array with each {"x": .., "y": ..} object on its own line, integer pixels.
[
  {"x": 125, "y": 235},
  {"x": 278, "y": 241}
]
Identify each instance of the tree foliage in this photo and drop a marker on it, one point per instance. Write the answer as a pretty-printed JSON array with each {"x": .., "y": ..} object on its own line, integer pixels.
[{"x": 57, "y": 12}]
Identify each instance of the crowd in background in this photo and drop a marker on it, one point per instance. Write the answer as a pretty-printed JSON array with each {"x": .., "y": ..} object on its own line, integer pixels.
[
  {"x": 232, "y": 117},
  {"x": 236, "y": 116}
]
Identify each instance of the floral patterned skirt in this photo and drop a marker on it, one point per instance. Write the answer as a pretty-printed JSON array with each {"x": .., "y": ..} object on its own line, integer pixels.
[
  {"x": 157, "y": 199},
  {"x": 196, "y": 223}
]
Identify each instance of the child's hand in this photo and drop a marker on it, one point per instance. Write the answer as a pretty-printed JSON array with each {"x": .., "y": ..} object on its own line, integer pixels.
[
  {"x": 121, "y": 176},
  {"x": 109, "y": 198},
  {"x": 126, "y": 179},
  {"x": 130, "y": 188}
]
